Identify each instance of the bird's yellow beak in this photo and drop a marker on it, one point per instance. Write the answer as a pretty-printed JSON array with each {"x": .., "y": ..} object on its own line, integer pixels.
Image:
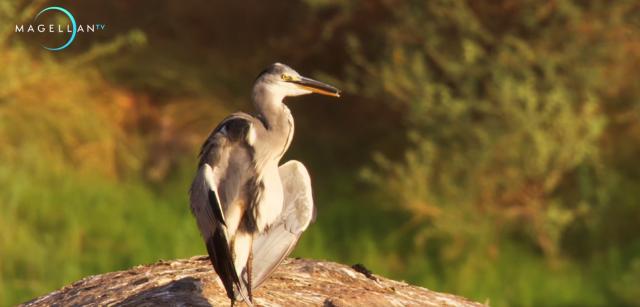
[{"x": 315, "y": 86}]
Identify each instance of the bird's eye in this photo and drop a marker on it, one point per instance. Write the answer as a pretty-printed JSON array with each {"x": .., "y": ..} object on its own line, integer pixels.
[{"x": 285, "y": 77}]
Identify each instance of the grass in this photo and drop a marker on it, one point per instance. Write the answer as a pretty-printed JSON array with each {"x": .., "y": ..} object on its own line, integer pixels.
[{"x": 57, "y": 229}]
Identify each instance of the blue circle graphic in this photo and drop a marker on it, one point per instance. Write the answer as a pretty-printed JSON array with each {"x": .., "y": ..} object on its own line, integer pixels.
[{"x": 73, "y": 23}]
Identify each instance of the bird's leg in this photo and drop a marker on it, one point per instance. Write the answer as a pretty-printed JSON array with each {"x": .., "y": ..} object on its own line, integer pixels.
[
  {"x": 242, "y": 247},
  {"x": 249, "y": 269}
]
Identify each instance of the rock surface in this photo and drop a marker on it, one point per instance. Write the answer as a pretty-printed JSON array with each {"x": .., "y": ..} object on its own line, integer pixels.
[{"x": 297, "y": 282}]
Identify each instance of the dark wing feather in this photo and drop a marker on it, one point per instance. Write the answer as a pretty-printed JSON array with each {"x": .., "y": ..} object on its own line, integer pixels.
[
  {"x": 220, "y": 257},
  {"x": 225, "y": 160},
  {"x": 216, "y": 208}
]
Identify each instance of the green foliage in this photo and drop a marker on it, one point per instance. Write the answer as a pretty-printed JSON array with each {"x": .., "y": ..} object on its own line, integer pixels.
[
  {"x": 64, "y": 139},
  {"x": 507, "y": 124},
  {"x": 499, "y": 122},
  {"x": 56, "y": 229},
  {"x": 484, "y": 149}
]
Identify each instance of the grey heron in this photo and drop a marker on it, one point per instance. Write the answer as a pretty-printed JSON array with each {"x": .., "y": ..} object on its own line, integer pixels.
[{"x": 251, "y": 211}]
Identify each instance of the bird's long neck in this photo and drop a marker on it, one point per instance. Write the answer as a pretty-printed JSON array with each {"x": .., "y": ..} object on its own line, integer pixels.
[
  {"x": 270, "y": 108},
  {"x": 276, "y": 118}
]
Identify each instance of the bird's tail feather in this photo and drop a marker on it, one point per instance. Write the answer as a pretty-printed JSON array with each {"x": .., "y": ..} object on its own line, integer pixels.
[
  {"x": 244, "y": 295},
  {"x": 220, "y": 257}
]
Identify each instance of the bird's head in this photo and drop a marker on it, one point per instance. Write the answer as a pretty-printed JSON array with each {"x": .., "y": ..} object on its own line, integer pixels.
[{"x": 282, "y": 81}]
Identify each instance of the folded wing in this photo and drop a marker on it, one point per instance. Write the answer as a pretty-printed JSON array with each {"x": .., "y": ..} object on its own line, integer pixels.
[
  {"x": 273, "y": 246},
  {"x": 226, "y": 162}
]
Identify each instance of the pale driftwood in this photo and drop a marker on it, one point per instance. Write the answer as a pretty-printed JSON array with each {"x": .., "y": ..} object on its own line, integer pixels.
[{"x": 297, "y": 282}]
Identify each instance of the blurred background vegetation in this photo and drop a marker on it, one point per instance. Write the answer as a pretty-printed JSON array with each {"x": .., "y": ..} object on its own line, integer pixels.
[{"x": 484, "y": 148}]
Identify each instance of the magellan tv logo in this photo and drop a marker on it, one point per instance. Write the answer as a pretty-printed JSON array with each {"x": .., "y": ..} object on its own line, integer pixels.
[{"x": 70, "y": 27}]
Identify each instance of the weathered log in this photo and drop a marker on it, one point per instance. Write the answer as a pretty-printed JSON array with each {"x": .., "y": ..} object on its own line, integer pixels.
[{"x": 297, "y": 282}]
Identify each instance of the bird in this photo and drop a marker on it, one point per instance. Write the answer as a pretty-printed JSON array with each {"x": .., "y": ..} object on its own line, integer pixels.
[{"x": 250, "y": 210}]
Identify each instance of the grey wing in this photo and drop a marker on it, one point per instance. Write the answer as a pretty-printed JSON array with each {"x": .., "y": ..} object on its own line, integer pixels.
[
  {"x": 274, "y": 245},
  {"x": 225, "y": 161}
]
